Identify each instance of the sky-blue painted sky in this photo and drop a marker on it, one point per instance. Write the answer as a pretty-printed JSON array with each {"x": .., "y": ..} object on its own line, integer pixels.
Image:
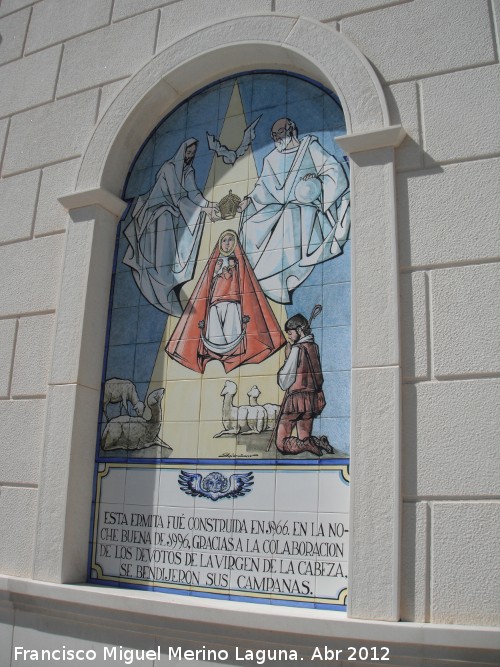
[{"x": 136, "y": 327}]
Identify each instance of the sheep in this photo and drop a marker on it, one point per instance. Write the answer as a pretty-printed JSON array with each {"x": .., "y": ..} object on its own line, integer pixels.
[
  {"x": 121, "y": 391},
  {"x": 126, "y": 432},
  {"x": 240, "y": 419},
  {"x": 272, "y": 410}
]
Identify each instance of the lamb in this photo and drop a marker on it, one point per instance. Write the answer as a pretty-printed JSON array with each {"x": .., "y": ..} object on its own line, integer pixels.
[
  {"x": 126, "y": 432},
  {"x": 121, "y": 391},
  {"x": 272, "y": 410},
  {"x": 240, "y": 419}
]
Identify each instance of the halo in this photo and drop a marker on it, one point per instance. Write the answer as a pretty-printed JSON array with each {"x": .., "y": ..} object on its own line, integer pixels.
[{"x": 235, "y": 238}]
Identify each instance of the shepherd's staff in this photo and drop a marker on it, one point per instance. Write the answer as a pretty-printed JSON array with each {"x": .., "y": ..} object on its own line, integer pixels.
[{"x": 315, "y": 312}]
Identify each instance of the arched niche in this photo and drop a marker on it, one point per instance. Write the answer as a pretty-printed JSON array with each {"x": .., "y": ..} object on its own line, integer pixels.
[{"x": 251, "y": 42}]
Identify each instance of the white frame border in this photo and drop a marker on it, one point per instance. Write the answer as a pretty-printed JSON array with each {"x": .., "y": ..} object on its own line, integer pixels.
[{"x": 320, "y": 52}]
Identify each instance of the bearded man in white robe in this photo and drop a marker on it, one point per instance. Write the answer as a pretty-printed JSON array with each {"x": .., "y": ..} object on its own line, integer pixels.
[
  {"x": 166, "y": 229},
  {"x": 297, "y": 215}
]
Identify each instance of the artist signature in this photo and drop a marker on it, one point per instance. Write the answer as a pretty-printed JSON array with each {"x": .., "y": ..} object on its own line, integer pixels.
[{"x": 227, "y": 455}]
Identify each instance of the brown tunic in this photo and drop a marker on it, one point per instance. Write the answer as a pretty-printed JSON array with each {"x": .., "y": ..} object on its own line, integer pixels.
[{"x": 305, "y": 395}]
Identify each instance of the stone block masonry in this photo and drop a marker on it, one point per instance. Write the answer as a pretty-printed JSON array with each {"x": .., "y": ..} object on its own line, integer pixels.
[{"x": 61, "y": 65}]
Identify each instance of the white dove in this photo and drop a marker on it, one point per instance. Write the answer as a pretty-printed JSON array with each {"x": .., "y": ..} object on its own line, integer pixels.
[{"x": 230, "y": 156}]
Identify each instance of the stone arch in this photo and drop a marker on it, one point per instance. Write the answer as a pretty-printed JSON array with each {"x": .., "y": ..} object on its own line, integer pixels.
[
  {"x": 300, "y": 45},
  {"x": 318, "y": 51}
]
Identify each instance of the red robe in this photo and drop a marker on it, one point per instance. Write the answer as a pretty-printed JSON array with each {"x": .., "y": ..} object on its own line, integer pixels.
[{"x": 262, "y": 336}]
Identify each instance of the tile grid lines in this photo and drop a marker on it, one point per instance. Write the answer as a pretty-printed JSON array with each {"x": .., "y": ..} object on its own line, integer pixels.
[
  {"x": 368, "y": 10},
  {"x": 10, "y": 62},
  {"x": 64, "y": 41},
  {"x": 159, "y": 8},
  {"x": 58, "y": 73},
  {"x": 457, "y": 499},
  {"x": 4, "y": 148},
  {"x": 37, "y": 199},
  {"x": 24, "y": 110},
  {"x": 85, "y": 90},
  {"x": 27, "y": 314},
  {"x": 444, "y": 162},
  {"x": 461, "y": 160},
  {"x": 23, "y": 50},
  {"x": 17, "y": 485},
  {"x": 232, "y": 510},
  {"x": 444, "y": 377},
  {"x": 14, "y": 356},
  {"x": 448, "y": 265},
  {"x": 98, "y": 104},
  {"x": 462, "y": 377},
  {"x": 432, "y": 168},
  {"x": 12, "y": 359},
  {"x": 8, "y": 243},
  {"x": 432, "y": 75},
  {"x": 429, "y": 558},
  {"x": 432, "y": 500},
  {"x": 420, "y": 121},
  {"x": 423, "y": 171},
  {"x": 495, "y": 26},
  {"x": 480, "y": 498},
  {"x": 158, "y": 22},
  {"x": 50, "y": 163},
  {"x": 388, "y": 82},
  {"x": 29, "y": 397},
  {"x": 111, "y": 10},
  {"x": 428, "y": 324},
  {"x": 38, "y": 106},
  {"x": 14, "y": 11},
  {"x": 15, "y": 58},
  {"x": 248, "y": 515},
  {"x": 452, "y": 265}
]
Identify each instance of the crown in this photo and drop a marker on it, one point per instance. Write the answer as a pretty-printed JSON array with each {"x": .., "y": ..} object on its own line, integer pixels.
[{"x": 228, "y": 206}]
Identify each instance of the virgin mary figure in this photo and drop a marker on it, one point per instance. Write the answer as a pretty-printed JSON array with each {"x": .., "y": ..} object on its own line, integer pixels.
[{"x": 227, "y": 318}]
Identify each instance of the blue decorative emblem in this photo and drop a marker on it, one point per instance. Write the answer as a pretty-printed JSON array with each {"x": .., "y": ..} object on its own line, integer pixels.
[{"x": 215, "y": 485}]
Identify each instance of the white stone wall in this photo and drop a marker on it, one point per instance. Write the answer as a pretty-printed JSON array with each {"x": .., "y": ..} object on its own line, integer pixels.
[{"x": 62, "y": 62}]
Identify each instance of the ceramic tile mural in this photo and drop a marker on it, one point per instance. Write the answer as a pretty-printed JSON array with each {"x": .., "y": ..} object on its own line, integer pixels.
[{"x": 222, "y": 460}]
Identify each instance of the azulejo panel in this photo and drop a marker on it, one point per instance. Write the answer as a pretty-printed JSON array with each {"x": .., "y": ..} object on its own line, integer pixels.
[{"x": 226, "y": 387}]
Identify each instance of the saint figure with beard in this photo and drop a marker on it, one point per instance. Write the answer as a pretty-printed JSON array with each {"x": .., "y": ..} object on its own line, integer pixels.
[
  {"x": 297, "y": 215},
  {"x": 165, "y": 232}
]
